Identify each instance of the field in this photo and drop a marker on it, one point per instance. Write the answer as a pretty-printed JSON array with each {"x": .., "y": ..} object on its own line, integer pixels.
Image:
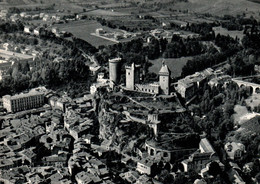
[
  {"x": 83, "y": 30},
  {"x": 174, "y": 64},
  {"x": 9, "y": 54},
  {"x": 100, "y": 12},
  {"x": 233, "y": 34}
]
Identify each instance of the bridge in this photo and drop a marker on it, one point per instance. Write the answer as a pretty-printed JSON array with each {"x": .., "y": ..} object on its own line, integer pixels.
[{"x": 254, "y": 88}]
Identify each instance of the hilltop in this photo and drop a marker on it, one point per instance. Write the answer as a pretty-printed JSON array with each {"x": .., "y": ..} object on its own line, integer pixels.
[
  {"x": 221, "y": 7},
  {"x": 215, "y": 7}
]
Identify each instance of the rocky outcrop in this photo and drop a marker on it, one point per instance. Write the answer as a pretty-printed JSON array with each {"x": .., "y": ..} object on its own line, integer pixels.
[{"x": 106, "y": 128}]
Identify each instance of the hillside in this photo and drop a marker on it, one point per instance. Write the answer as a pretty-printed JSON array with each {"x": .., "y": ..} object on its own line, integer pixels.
[
  {"x": 221, "y": 7},
  {"x": 215, "y": 7}
]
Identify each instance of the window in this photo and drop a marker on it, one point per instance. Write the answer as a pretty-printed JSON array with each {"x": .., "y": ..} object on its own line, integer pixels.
[{"x": 165, "y": 154}]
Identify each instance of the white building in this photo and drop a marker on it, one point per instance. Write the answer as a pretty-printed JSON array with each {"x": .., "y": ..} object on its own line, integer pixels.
[{"x": 234, "y": 150}]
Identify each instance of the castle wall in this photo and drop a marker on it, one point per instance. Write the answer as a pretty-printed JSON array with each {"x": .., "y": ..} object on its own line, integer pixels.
[{"x": 148, "y": 88}]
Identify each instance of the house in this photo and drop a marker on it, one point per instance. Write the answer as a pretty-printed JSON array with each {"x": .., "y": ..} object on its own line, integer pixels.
[
  {"x": 234, "y": 150},
  {"x": 248, "y": 167},
  {"x": 199, "y": 159},
  {"x": 143, "y": 179},
  {"x": 89, "y": 138},
  {"x": 6, "y": 163},
  {"x": 94, "y": 69},
  {"x": 29, "y": 155},
  {"x": 37, "y": 31},
  {"x": 23, "y": 14},
  {"x": 100, "y": 31},
  {"x": 196, "y": 161},
  {"x": 145, "y": 166},
  {"x": 6, "y": 46},
  {"x": 42, "y": 15},
  {"x": 3, "y": 14},
  {"x": 57, "y": 160},
  {"x": 14, "y": 175},
  {"x": 200, "y": 181},
  {"x": 55, "y": 30},
  {"x": 205, "y": 171},
  {"x": 234, "y": 177},
  {"x": 46, "y": 18},
  {"x": 27, "y": 29},
  {"x": 131, "y": 176}
]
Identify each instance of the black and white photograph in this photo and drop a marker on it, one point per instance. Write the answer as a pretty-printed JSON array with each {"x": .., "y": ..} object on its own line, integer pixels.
[{"x": 129, "y": 91}]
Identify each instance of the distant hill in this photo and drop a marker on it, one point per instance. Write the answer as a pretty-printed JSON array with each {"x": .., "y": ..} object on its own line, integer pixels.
[
  {"x": 256, "y": 1},
  {"x": 215, "y": 7},
  {"x": 221, "y": 7}
]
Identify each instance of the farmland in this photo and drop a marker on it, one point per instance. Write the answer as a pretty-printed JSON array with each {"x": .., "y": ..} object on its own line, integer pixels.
[
  {"x": 233, "y": 34},
  {"x": 83, "y": 30},
  {"x": 220, "y": 7},
  {"x": 174, "y": 64}
]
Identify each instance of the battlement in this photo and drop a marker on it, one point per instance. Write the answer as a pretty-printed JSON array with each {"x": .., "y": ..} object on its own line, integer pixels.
[
  {"x": 115, "y": 60},
  {"x": 133, "y": 66}
]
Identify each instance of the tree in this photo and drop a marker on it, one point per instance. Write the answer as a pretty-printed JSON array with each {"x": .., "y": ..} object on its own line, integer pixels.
[{"x": 214, "y": 169}]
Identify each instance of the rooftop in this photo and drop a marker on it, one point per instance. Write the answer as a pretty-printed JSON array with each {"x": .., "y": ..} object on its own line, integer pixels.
[
  {"x": 206, "y": 146},
  {"x": 164, "y": 69},
  {"x": 23, "y": 95}
]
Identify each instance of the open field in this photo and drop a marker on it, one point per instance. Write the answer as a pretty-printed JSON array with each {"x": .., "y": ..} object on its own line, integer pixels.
[
  {"x": 233, "y": 34},
  {"x": 174, "y": 64},
  {"x": 100, "y": 12},
  {"x": 8, "y": 54},
  {"x": 83, "y": 30}
]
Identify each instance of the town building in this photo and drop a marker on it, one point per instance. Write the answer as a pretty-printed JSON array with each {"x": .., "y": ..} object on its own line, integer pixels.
[
  {"x": 27, "y": 29},
  {"x": 23, "y": 101},
  {"x": 94, "y": 69},
  {"x": 100, "y": 31},
  {"x": 188, "y": 86},
  {"x": 145, "y": 166},
  {"x": 234, "y": 150},
  {"x": 163, "y": 149},
  {"x": 38, "y": 30},
  {"x": 199, "y": 159}
]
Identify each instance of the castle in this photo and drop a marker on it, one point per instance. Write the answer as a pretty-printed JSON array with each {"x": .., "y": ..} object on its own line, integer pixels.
[
  {"x": 161, "y": 87},
  {"x": 133, "y": 78}
]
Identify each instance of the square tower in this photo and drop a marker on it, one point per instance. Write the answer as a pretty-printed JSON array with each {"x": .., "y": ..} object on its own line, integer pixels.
[
  {"x": 164, "y": 79},
  {"x": 132, "y": 76}
]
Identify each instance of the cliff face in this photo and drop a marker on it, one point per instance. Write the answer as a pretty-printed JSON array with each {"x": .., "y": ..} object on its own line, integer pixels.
[{"x": 107, "y": 124}]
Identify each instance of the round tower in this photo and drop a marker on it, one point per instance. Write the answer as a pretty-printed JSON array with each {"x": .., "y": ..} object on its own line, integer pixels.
[{"x": 114, "y": 71}]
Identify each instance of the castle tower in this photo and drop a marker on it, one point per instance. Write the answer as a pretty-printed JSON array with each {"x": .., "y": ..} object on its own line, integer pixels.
[
  {"x": 132, "y": 76},
  {"x": 114, "y": 71},
  {"x": 154, "y": 123},
  {"x": 164, "y": 78}
]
